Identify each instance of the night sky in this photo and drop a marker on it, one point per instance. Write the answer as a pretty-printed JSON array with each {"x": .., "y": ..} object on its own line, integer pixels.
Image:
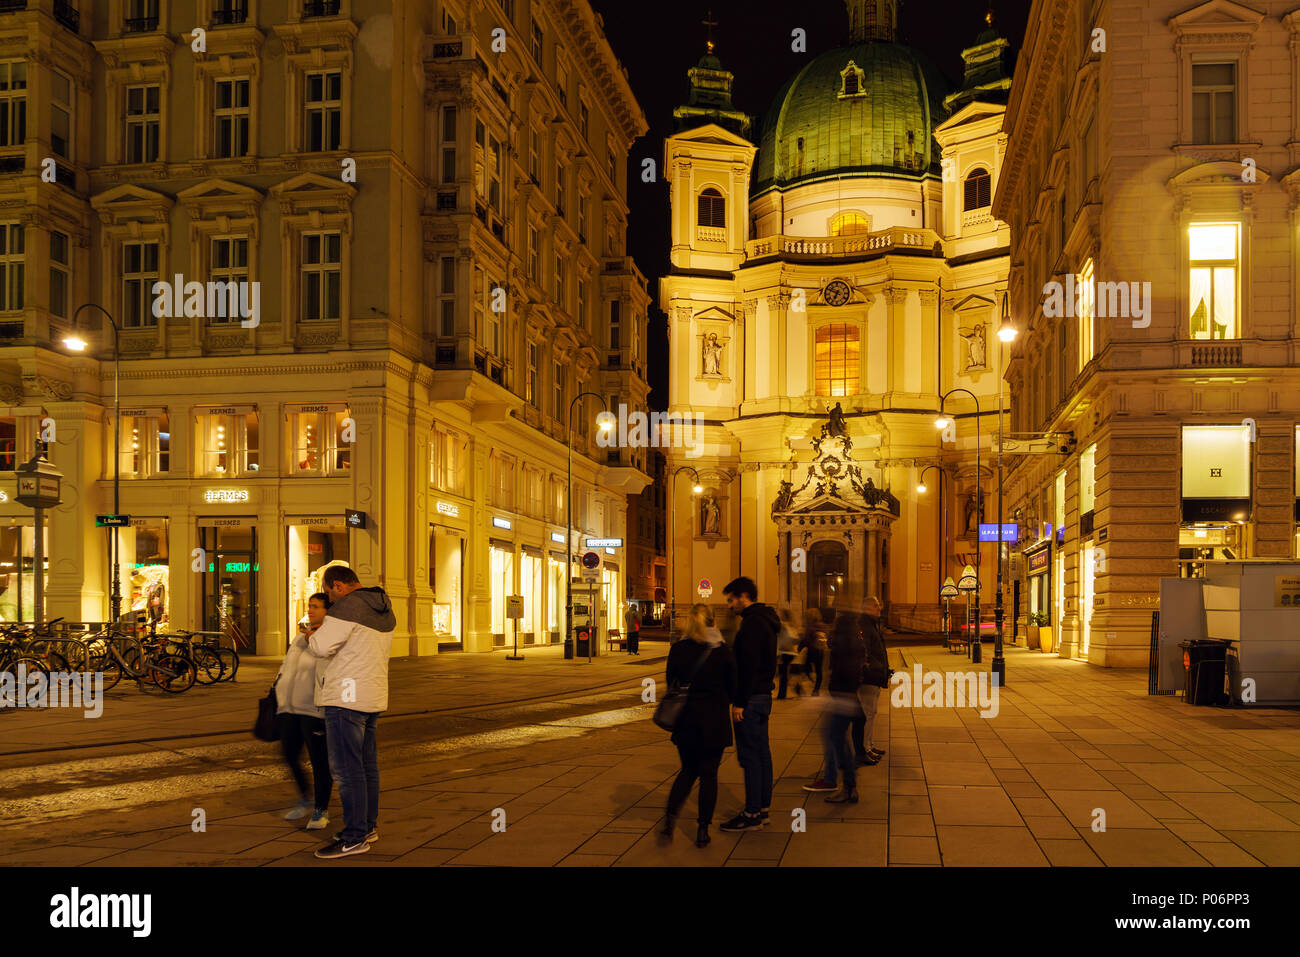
[{"x": 659, "y": 41}]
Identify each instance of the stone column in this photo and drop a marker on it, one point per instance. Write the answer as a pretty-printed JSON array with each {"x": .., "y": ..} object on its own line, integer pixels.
[{"x": 873, "y": 562}]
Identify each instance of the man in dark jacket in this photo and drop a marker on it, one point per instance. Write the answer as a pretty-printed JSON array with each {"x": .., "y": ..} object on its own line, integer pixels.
[
  {"x": 755, "y": 651},
  {"x": 875, "y": 676}
]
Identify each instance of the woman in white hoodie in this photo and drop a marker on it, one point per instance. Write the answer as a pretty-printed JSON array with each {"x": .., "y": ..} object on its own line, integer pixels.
[{"x": 302, "y": 722}]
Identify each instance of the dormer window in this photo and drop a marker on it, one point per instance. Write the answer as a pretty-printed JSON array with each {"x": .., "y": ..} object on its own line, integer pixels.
[
  {"x": 978, "y": 190},
  {"x": 852, "y": 81}
]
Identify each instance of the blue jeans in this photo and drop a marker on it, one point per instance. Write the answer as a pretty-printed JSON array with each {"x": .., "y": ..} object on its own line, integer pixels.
[
  {"x": 354, "y": 764},
  {"x": 837, "y": 755},
  {"x": 754, "y": 754}
]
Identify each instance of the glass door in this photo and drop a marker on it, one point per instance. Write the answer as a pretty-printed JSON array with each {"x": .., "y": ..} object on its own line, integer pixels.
[{"x": 230, "y": 585}]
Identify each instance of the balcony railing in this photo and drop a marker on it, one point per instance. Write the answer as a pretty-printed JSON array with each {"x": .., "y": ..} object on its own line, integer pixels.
[
  {"x": 1217, "y": 355},
  {"x": 140, "y": 24},
  {"x": 9, "y": 6},
  {"x": 225, "y": 16},
  {"x": 899, "y": 238},
  {"x": 13, "y": 164},
  {"x": 320, "y": 8},
  {"x": 67, "y": 15},
  {"x": 446, "y": 200},
  {"x": 711, "y": 234},
  {"x": 448, "y": 49}
]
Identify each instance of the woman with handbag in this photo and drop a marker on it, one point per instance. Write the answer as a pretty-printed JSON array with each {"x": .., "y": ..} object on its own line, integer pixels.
[
  {"x": 706, "y": 668},
  {"x": 301, "y": 722}
]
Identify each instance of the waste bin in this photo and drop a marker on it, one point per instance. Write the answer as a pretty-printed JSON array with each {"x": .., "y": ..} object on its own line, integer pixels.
[
  {"x": 1206, "y": 661},
  {"x": 584, "y": 639}
]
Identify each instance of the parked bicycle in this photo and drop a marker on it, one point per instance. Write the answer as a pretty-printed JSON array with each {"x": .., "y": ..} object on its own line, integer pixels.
[{"x": 148, "y": 661}]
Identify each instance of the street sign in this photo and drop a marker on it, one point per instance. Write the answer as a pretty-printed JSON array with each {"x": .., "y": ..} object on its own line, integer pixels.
[
  {"x": 515, "y": 606},
  {"x": 989, "y": 532},
  {"x": 705, "y": 588},
  {"x": 590, "y": 562},
  {"x": 604, "y": 543},
  {"x": 354, "y": 518},
  {"x": 112, "y": 521}
]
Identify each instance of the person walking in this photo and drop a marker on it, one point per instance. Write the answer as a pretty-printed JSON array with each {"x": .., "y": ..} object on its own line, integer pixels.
[
  {"x": 847, "y": 655},
  {"x": 813, "y": 644},
  {"x": 632, "y": 639},
  {"x": 356, "y": 638},
  {"x": 786, "y": 647},
  {"x": 301, "y": 722},
  {"x": 703, "y": 731},
  {"x": 755, "y": 650},
  {"x": 875, "y": 676}
]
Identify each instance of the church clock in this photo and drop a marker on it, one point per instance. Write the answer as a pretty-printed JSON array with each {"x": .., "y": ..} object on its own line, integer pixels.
[{"x": 837, "y": 292}]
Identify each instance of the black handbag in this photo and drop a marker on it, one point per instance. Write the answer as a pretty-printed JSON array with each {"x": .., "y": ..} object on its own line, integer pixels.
[
  {"x": 670, "y": 707},
  {"x": 266, "y": 728}
]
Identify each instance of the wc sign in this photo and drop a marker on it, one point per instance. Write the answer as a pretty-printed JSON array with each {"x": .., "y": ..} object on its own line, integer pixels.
[{"x": 705, "y": 588}]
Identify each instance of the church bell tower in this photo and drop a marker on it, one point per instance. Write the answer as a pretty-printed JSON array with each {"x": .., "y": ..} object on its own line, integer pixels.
[{"x": 872, "y": 20}]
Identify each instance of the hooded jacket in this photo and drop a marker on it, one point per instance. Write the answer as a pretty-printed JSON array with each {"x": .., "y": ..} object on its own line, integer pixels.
[
  {"x": 356, "y": 637},
  {"x": 298, "y": 678},
  {"x": 755, "y": 651}
]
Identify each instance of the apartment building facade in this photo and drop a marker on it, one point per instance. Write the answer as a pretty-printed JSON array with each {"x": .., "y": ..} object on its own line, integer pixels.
[
  {"x": 1150, "y": 187},
  {"x": 423, "y": 208}
]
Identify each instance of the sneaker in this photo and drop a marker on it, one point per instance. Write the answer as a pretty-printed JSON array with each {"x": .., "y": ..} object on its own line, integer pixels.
[
  {"x": 878, "y": 752},
  {"x": 820, "y": 784},
  {"x": 300, "y": 810},
  {"x": 338, "y": 849},
  {"x": 369, "y": 838},
  {"x": 319, "y": 821},
  {"x": 845, "y": 795},
  {"x": 743, "y": 822},
  {"x": 869, "y": 759}
]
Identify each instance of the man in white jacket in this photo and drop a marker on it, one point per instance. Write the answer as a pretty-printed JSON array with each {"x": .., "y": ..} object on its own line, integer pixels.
[{"x": 356, "y": 638}]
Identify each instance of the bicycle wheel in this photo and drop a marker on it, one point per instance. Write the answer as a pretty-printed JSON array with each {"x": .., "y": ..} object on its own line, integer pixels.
[
  {"x": 24, "y": 667},
  {"x": 172, "y": 673},
  {"x": 229, "y": 658},
  {"x": 109, "y": 667},
  {"x": 208, "y": 665}
]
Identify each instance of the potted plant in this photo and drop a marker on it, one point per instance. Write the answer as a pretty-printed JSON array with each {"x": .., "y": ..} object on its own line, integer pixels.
[{"x": 1037, "y": 623}]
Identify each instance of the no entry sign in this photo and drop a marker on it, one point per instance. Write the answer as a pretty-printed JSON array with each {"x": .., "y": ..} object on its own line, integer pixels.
[{"x": 705, "y": 588}]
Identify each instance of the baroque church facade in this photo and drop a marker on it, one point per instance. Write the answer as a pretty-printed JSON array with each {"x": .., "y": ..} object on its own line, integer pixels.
[{"x": 837, "y": 278}]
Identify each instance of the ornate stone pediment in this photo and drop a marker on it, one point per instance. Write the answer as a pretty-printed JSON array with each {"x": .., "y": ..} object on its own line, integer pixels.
[{"x": 833, "y": 481}]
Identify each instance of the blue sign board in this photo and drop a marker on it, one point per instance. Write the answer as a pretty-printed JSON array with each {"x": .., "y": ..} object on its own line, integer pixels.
[{"x": 989, "y": 532}]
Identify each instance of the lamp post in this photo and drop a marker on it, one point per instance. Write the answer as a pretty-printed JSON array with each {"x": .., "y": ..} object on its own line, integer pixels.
[
  {"x": 696, "y": 489},
  {"x": 943, "y": 537},
  {"x": 568, "y": 528},
  {"x": 1006, "y": 335},
  {"x": 942, "y": 422},
  {"x": 75, "y": 343}
]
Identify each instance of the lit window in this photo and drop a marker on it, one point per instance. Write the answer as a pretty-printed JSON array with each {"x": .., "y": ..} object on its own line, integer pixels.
[
  {"x": 850, "y": 224},
  {"x": 836, "y": 359},
  {"x": 1087, "y": 479},
  {"x": 1214, "y": 253},
  {"x": 1087, "y": 314}
]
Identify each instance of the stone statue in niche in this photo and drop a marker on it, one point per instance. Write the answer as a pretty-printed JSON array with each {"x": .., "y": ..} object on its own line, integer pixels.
[
  {"x": 712, "y": 354},
  {"x": 836, "y": 425},
  {"x": 974, "y": 512},
  {"x": 975, "y": 357},
  {"x": 710, "y": 515}
]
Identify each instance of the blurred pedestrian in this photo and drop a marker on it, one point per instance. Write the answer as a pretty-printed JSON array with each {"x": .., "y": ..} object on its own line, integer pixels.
[
  {"x": 847, "y": 655},
  {"x": 356, "y": 638},
  {"x": 707, "y": 668},
  {"x": 632, "y": 637},
  {"x": 755, "y": 651},
  {"x": 875, "y": 676},
  {"x": 813, "y": 645},
  {"x": 786, "y": 646},
  {"x": 302, "y": 722}
]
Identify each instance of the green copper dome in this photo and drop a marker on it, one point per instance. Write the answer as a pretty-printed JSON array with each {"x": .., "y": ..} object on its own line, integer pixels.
[{"x": 868, "y": 109}]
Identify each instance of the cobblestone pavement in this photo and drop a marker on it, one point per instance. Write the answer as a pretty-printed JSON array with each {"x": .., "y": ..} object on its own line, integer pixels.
[{"x": 579, "y": 777}]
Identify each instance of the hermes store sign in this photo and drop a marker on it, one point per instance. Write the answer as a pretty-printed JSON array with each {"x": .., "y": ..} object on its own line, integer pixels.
[{"x": 225, "y": 495}]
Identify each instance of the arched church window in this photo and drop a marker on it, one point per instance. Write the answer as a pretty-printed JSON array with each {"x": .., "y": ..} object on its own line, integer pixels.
[
  {"x": 850, "y": 224},
  {"x": 979, "y": 190},
  {"x": 836, "y": 359},
  {"x": 712, "y": 209}
]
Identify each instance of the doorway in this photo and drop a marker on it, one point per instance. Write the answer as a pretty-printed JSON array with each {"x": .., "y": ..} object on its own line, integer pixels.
[
  {"x": 828, "y": 567},
  {"x": 230, "y": 584}
]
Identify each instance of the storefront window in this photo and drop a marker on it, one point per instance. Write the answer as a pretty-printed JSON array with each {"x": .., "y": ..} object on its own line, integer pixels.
[
  {"x": 149, "y": 574},
  {"x": 611, "y": 597},
  {"x": 228, "y": 443},
  {"x": 321, "y": 442},
  {"x": 1216, "y": 476},
  {"x": 1059, "y": 526},
  {"x": 315, "y": 545},
  {"x": 446, "y": 567},
  {"x": 144, "y": 445},
  {"x": 502, "y": 570},
  {"x": 17, "y": 562},
  {"x": 555, "y": 596},
  {"x": 531, "y": 626},
  {"x": 1087, "y": 476},
  {"x": 8, "y": 443}
]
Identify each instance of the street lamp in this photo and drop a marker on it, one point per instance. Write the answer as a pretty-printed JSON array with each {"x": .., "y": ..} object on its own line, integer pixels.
[
  {"x": 942, "y": 422},
  {"x": 943, "y": 537},
  {"x": 74, "y": 343},
  {"x": 970, "y": 583},
  {"x": 696, "y": 489},
  {"x": 605, "y": 426},
  {"x": 1007, "y": 335}
]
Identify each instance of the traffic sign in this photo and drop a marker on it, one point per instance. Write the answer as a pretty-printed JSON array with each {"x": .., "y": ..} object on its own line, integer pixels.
[
  {"x": 112, "y": 521},
  {"x": 514, "y": 606},
  {"x": 705, "y": 588},
  {"x": 590, "y": 562}
]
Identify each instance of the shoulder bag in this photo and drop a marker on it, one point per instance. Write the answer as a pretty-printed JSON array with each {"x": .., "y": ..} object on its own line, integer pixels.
[
  {"x": 264, "y": 729},
  {"x": 671, "y": 705}
]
